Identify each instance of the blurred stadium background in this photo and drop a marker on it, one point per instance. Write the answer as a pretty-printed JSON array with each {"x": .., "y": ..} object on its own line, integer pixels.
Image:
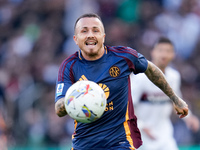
[{"x": 37, "y": 35}]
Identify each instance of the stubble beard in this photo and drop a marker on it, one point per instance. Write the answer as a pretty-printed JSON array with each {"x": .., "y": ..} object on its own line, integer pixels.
[{"x": 92, "y": 54}]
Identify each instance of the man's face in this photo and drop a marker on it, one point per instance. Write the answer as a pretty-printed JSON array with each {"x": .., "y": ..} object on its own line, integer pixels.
[
  {"x": 90, "y": 36},
  {"x": 162, "y": 54}
]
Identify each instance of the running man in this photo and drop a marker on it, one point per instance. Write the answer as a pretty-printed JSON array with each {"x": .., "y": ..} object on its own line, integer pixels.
[{"x": 111, "y": 67}]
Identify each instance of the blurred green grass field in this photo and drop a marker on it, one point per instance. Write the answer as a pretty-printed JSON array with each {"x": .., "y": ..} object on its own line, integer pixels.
[{"x": 195, "y": 147}]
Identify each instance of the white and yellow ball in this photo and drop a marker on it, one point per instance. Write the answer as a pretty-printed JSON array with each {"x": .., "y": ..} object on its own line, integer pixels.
[{"x": 85, "y": 101}]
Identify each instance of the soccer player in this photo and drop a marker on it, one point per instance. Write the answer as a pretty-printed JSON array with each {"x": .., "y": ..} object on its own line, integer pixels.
[
  {"x": 152, "y": 107},
  {"x": 111, "y": 66}
]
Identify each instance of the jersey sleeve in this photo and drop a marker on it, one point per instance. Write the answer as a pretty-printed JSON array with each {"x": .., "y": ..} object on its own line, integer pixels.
[
  {"x": 138, "y": 62},
  {"x": 64, "y": 80},
  {"x": 141, "y": 64}
]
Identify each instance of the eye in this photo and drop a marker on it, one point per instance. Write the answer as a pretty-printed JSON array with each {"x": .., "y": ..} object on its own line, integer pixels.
[
  {"x": 96, "y": 30},
  {"x": 83, "y": 31}
]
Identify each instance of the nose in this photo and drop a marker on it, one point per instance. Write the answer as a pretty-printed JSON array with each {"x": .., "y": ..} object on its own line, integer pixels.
[{"x": 90, "y": 34}]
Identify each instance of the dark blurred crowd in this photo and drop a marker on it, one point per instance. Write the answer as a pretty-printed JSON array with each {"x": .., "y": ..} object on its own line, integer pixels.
[{"x": 37, "y": 35}]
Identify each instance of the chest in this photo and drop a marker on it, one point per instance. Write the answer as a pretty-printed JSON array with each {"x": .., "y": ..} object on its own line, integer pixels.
[
  {"x": 111, "y": 75},
  {"x": 102, "y": 71}
]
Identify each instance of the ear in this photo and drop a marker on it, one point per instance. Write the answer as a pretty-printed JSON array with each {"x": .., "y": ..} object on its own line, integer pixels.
[
  {"x": 75, "y": 39},
  {"x": 104, "y": 37}
]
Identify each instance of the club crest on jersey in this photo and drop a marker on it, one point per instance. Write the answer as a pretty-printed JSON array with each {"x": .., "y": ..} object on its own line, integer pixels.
[{"x": 114, "y": 71}]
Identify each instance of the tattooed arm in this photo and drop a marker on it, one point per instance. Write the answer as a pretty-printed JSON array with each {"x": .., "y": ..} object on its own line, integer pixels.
[
  {"x": 157, "y": 77},
  {"x": 60, "y": 108}
]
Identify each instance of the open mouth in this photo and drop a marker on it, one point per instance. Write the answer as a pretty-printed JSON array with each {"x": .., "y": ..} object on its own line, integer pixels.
[{"x": 91, "y": 43}]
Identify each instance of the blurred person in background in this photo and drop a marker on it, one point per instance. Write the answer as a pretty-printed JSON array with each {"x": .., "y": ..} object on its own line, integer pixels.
[
  {"x": 152, "y": 107},
  {"x": 180, "y": 23}
]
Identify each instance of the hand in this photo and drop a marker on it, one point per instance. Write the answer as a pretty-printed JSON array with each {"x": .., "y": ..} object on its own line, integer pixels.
[
  {"x": 181, "y": 108},
  {"x": 60, "y": 107}
]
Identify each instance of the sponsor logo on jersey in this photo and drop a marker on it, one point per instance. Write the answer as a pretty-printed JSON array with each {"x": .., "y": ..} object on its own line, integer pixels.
[
  {"x": 105, "y": 89},
  {"x": 109, "y": 106}
]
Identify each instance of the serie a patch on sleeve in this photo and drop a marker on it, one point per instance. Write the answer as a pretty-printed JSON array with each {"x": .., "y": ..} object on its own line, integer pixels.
[{"x": 59, "y": 89}]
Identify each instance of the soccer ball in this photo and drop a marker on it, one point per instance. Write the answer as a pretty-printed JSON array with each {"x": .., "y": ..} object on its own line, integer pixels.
[{"x": 85, "y": 101}]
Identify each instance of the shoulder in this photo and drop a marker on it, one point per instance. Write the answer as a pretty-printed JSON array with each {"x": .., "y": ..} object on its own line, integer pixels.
[
  {"x": 69, "y": 60},
  {"x": 66, "y": 65},
  {"x": 122, "y": 50},
  {"x": 137, "y": 62}
]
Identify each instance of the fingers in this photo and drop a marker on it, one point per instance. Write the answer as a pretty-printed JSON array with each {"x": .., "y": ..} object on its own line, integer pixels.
[
  {"x": 182, "y": 116},
  {"x": 181, "y": 108},
  {"x": 183, "y": 113}
]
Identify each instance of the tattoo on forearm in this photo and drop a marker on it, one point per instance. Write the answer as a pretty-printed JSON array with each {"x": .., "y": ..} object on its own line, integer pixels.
[{"x": 158, "y": 78}]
